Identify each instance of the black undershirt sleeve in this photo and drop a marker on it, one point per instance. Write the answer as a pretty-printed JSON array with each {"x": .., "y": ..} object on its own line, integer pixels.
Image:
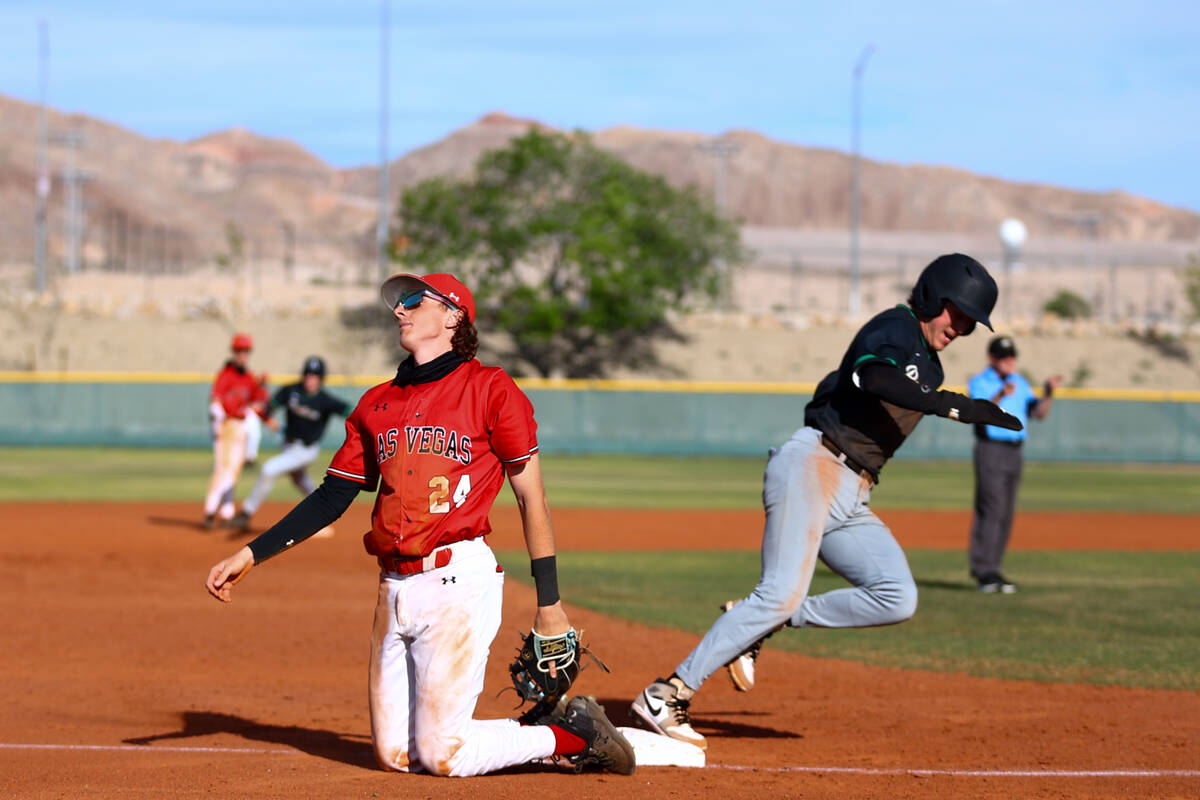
[
  {"x": 888, "y": 383},
  {"x": 327, "y": 503}
]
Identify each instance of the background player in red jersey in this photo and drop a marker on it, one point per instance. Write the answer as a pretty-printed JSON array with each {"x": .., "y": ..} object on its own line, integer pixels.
[
  {"x": 438, "y": 441},
  {"x": 235, "y": 394}
]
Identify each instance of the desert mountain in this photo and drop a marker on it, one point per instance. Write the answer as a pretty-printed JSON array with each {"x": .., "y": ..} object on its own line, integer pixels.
[{"x": 236, "y": 194}]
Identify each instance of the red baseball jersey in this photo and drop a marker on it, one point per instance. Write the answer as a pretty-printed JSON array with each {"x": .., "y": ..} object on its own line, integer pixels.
[
  {"x": 235, "y": 389},
  {"x": 437, "y": 452}
]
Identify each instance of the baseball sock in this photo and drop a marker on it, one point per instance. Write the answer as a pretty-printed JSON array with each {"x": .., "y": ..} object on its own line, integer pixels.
[{"x": 566, "y": 743}]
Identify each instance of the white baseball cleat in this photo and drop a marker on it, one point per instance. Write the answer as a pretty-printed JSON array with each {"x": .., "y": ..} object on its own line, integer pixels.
[
  {"x": 663, "y": 707},
  {"x": 741, "y": 669}
]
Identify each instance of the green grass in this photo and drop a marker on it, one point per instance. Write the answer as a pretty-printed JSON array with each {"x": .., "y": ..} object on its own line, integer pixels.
[
  {"x": 1108, "y": 618},
  {"x": 599, "y": 482},
  {"x": 615, "y": 481},
  {"x": 1123, "y": 618}
]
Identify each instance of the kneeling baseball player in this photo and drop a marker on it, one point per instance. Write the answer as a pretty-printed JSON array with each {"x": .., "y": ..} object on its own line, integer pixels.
[
  {"x": 818, "y": 483},
  {"x": 438, "y": 441}
]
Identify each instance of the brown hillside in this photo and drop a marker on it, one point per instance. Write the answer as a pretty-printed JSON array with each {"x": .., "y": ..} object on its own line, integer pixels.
[{"x": 155, "y": 204}]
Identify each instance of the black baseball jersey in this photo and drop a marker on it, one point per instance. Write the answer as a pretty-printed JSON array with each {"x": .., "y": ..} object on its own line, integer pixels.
[
  {"x": 307, "y": 414},
  {"x": 866, "y": 428}
]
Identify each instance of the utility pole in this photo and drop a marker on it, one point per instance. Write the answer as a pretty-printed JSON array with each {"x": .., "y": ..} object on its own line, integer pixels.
[
  {"x": 720, "y": 150},
  {"x": 381, "y": 224},
  {"x": 72, "y": 180},
  {"x": 289, "y": 248},
  {"x": 855, "y": 103},
  {"x": 43, "y": 177},
  {"x": 1090, "y": 222}
]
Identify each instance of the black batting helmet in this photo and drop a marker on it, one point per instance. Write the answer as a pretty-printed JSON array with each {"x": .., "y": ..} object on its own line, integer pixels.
[
  {"x": 957, "y": 279},
  {"x": 313, "y": 365}
]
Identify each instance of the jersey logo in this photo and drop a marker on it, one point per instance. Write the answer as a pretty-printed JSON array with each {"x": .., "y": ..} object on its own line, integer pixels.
[{"x": 912, "y": 372}]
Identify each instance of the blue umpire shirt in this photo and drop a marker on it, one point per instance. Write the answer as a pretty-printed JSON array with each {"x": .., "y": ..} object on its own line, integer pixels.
[{"x": 986, "y": 384}]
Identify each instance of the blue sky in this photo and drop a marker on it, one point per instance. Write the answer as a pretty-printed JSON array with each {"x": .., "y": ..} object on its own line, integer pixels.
[{"x": 1094, "y": 95}]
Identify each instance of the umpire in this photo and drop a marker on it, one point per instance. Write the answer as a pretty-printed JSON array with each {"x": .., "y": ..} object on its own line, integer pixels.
[{"x": 998, "y": 460}]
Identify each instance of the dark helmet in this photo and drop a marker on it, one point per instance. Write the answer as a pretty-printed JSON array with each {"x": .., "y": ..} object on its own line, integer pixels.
[
  {"x": 957, "y": 279},
  {"x": 313, "y": 365}
]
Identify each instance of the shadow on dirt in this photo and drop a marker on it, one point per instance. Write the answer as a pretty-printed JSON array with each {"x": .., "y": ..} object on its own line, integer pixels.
[
  {"x": 232, "y": 534},
  {"x": 351, "y": 749}
]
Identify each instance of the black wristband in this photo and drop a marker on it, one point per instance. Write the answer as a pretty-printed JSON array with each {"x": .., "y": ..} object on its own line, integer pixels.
[
  {"x": 1048, "y": 388},
  {"x": 545, "y": 578}
]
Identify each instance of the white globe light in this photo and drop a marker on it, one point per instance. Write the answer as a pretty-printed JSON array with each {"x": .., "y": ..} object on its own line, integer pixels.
[{"x": 1012, "y": 232}]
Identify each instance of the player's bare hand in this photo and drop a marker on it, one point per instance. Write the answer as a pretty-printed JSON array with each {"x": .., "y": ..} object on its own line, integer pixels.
[
  {"x": 272, "y": 423},
  {"x": 1009, "y": 388},
  {"x": 225, "y": 574},
  {"x": 1054, "y": 381},
  {"x": 551, "y": 620}
]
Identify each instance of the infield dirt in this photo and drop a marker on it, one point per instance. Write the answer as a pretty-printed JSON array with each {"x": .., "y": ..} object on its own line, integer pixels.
[{"x": 119, "y": 671}]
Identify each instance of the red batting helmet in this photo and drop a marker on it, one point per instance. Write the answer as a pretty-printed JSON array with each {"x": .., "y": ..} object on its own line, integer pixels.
[{"x": 241, "y": 341}]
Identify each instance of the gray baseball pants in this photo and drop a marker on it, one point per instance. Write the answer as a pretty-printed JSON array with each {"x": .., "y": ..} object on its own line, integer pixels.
[
  {"x": 997, "y": 477},
  {"x": 815, "y": 507},
  {"x": 294, "y": 460}
]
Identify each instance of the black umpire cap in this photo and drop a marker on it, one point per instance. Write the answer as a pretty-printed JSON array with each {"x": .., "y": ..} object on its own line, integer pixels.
[
  {"x": 313, "y": 365},
  {"x": 1002, "y": 347}
]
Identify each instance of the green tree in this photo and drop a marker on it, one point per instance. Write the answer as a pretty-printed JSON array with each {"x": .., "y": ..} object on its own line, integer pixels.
[
  {"x": 574, "y": 253},
  {"x": 1068, "y": 305},
  {"x": 1191, "y": 286},
  {"x": 235, "y": 243}
]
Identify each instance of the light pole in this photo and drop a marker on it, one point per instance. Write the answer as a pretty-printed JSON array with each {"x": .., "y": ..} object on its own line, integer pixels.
[
  {"x": 381, "y": 224},
  {"x": 855, "y": 102},
  {"x": 43, "y": 176},
  {"x": 1012, "y": 235}
]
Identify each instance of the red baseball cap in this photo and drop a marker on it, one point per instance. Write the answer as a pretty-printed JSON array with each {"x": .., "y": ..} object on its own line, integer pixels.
[
  {"x": 443, "y": 284},
  {"x": 241, "y": 341}
]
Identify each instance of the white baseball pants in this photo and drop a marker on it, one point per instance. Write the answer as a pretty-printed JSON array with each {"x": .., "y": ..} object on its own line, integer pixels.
[{"x": 429, "y": 647}]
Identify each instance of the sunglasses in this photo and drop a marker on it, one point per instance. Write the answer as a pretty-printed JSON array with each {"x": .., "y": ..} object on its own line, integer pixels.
[{"x": 411, "y": 299}]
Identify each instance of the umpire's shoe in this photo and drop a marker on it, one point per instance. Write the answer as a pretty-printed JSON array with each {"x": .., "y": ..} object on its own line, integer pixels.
[
  {"x": 606, "y": 747},
  {"x": 663, "y": 707}
]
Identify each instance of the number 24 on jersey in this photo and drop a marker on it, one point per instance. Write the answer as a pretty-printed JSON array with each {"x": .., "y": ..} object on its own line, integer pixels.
[{"x": 440, "y": 497}]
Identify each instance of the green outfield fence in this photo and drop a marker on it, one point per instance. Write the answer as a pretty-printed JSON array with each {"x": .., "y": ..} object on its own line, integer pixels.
[{"x": 661, "y": 417}]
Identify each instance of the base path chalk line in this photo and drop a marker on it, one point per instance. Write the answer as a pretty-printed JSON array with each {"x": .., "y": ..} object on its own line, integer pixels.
[
  {"x": 960, "y": 773},
  {"x": 978, "y": 773}
]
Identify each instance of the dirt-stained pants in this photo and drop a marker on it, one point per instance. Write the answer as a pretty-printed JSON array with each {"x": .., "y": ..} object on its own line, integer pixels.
[{"x": 815, "y": 507}]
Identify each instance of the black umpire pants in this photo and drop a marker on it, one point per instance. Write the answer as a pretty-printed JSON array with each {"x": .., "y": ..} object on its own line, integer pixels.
[{"x": 997, "y": 476}]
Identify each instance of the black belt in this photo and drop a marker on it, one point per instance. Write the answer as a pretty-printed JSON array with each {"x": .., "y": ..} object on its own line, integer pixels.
[{"x": 853, "y": 465}]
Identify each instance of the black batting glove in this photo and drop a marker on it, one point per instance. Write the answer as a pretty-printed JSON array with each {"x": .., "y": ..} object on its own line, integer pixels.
[{"x": 976, "y": 411}]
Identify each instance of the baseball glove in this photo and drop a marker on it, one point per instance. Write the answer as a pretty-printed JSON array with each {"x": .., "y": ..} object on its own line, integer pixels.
[{"x": 531, "y": 669}]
